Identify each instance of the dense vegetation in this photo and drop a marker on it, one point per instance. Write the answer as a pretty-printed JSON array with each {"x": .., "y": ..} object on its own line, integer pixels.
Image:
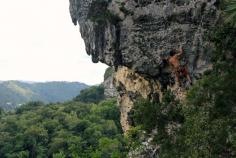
[
  {"x": 93, "y": 94},
  {"x": 230, "y": 11},
  {"x": 71, "y": 130},
  {"x": 14, "y": 93}
]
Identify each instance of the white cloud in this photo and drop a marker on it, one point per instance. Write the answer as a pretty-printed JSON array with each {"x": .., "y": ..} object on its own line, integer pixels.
[{"x": 38, "y": 42}]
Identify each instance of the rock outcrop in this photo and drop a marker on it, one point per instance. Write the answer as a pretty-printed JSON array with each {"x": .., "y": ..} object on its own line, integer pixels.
[
  {"x": 132, "y": 86},
  {"x": 135, "y": 36},
  {"x": 109, "y": 88},
  {"x": 108, "y": 83}
]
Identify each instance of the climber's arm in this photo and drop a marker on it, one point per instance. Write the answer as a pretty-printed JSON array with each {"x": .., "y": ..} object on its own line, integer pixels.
[{"x": 180, "y": 52}]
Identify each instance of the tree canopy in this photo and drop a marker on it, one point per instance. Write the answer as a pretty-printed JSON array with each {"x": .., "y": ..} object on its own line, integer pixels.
[
  {"x": 93, "y": 94},
  {"x": 72, "y": 129}
]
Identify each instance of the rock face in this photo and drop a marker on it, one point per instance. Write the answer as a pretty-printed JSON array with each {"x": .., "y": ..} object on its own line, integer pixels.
[
  {"x": 132, "y": 86},
  {"x": 109, "y": 88},
  {"x": 135, "y": 36},
  {"x": 108, "y": 83}
]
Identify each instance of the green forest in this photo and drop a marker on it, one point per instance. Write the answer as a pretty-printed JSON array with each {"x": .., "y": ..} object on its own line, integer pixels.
[{"x": 72, "y": 129}]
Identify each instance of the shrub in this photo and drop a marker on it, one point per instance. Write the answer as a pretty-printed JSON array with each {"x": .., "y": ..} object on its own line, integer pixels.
[
  {"x": 231, "y": 12},
  {"x": 151, "y": 115}
]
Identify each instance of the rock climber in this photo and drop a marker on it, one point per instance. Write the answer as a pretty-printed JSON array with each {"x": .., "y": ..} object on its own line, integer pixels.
[{"x": 179, "y": 70}]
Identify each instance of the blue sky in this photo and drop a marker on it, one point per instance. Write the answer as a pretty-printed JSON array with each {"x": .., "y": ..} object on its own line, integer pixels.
[{"x": 38, "y": 42}]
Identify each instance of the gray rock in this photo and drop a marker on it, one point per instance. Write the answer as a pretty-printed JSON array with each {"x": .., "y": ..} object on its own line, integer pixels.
[
  {"x": 145, "y": 30},
  {"x": 109, "y": 88}
]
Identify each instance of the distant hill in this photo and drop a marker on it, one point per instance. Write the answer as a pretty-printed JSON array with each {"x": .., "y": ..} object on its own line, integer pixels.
[{"x": 16, "y": 93}]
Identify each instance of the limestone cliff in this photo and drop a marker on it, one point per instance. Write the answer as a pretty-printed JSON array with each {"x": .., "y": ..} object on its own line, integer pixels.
[
  {"x": 135, "y": 36},
  {"x": 131, "y": 86}
]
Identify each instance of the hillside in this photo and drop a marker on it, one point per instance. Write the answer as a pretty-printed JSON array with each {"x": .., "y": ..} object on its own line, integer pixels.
[{"x": 15, "y": 93}]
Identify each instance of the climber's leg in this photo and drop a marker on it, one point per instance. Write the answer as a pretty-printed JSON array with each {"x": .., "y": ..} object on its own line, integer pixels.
[
  {"x": 177, "y": 77},
  {"x": 189, "y": 79},
  {"x": 186, "y": 74}
]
